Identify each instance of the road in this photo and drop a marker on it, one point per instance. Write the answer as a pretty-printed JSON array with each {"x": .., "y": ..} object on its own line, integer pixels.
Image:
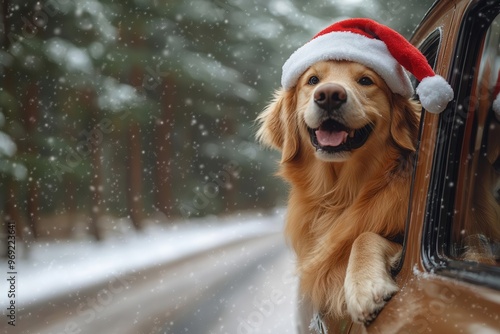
[{"x": 246, "y": 286}]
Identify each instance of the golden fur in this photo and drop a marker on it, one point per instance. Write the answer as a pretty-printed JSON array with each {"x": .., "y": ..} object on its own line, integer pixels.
[{"x": 350, "y": 199}]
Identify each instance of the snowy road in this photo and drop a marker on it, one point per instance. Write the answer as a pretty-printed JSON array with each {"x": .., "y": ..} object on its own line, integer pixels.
[
  {"x": 242, "y": 285},
  {"x": 252, "y": 292}
]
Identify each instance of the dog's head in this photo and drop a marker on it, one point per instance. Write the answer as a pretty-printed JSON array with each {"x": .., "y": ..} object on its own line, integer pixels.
[{"x": 337, "y": 109}]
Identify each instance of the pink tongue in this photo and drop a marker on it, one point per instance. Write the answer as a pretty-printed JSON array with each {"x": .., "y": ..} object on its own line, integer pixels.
[{"x": 327, "y": 138}]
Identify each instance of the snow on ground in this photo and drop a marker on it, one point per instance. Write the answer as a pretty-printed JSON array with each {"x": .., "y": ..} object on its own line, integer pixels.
[{"x": 58, "y": 268}]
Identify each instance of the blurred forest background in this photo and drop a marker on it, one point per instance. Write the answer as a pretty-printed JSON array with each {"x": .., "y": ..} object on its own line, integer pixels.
[{"x": 144, "y": 110}]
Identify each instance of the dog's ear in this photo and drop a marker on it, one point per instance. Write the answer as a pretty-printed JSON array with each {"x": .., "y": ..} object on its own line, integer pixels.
[
  {"x": 271, "y": 130},
  {"x": 278, "y": 125},
  {"x": 405, "y": 122}
]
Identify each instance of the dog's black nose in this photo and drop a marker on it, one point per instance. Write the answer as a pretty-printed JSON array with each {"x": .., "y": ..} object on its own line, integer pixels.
[{"x": 330, "y": 96}]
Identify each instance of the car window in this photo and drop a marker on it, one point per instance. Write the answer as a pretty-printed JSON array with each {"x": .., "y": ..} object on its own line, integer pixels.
[
  {"x": 476, "y": 218},
  {"x": 461, "y": 234},
  {"x": 430, "y": 49}
]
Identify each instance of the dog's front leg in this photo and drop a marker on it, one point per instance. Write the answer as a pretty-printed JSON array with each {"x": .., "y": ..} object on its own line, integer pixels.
[{"x": 368, "y": 283}]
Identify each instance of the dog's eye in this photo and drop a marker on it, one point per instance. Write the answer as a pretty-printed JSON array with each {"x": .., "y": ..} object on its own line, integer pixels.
[
  {"x": 365, "y": 81},
  {"x": 314, "y": 80}
]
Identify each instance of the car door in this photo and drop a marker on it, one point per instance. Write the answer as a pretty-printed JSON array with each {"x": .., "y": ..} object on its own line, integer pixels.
[{"x": 450, "y": 271}]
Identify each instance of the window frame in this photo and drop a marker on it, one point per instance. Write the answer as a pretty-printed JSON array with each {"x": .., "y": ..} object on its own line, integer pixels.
[
  {"x": 430, "y": 49},
  {"x": 445, "y": 169}
]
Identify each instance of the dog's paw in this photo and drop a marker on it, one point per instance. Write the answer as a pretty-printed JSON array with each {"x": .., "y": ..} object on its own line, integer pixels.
[{"x": 365, "y": 298}]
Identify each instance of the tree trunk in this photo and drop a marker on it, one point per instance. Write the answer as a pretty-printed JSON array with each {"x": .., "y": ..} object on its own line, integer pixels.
[
  {"x": 69, "y": 187},
  {"x": 12, "y": 212},
  {"x": 134, "y": 171},
  {"x": 30, "y": 119},
  {"x": 95, "y": 146},
  {"x": 5, "y": 25},
  {"x": 134, "y": 196},
  {"x": 230, "y": 199},
  {"x": 96, "y": 189},
  {"x": 33, "y": 207},
  {"x": 163, "y": 148},
  {"x": 11, "y": 208},
  {"x": 14, "y": 216}
]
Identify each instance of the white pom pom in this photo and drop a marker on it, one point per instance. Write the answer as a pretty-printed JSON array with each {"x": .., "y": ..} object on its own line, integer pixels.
[
  {"x": 496, "y": 107},
  {"x": 434, "y": 93}
]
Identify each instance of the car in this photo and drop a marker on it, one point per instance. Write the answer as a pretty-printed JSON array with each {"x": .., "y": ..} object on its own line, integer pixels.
[{"x": 449, "y": 273}]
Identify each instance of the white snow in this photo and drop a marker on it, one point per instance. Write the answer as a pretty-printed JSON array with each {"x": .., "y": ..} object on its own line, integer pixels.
[
  {"x": 117, "y": 96},
  {"x": 7, "y": 146},
  {"x": 63, "y": 52},
  {"x": 57, "y": 268}
]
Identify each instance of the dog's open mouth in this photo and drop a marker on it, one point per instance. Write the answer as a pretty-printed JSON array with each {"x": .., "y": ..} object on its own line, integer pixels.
[{"x": 332, "y": 137}]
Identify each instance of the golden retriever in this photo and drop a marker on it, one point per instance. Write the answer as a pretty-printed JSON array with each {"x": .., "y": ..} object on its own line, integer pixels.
[{"x": 347, "y": 143}]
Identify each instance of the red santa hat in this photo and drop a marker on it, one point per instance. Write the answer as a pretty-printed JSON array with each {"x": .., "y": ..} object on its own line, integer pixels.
[{"x": 378, "y": 47}]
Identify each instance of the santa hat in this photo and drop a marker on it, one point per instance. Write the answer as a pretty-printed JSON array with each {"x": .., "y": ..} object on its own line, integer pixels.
[{"x": 378, "y": 47}]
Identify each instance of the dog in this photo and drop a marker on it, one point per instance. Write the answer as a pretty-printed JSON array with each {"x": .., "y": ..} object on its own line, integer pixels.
[{"x": 347, "y": 142}]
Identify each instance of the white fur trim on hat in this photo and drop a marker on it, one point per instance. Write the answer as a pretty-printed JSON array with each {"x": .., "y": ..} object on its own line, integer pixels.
[
  {"x": 345, "y": 45},
  {"x": 434, "y": 93}
]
